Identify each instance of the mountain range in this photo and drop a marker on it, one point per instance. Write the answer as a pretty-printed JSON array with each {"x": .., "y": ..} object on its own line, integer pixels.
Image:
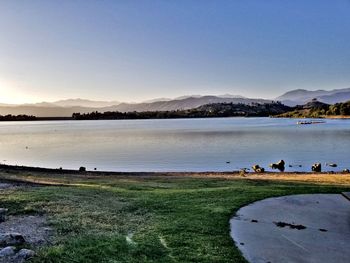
[
  {"x": 65, "y": 108},
  {"x": 302, "y": 96}
]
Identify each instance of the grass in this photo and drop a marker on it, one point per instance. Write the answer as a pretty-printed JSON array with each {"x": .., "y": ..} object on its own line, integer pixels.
[{"x": 149, "y": 218}]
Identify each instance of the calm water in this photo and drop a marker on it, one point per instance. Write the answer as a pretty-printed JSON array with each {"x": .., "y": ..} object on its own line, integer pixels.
[{"x": 175, "y": 145}]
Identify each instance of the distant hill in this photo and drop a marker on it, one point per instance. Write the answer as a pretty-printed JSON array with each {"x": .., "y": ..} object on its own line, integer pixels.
[
  {"x": 66, "y": 103},
  {"x": 5, "y": 105},
  {"x": 336, "y": 98},
  {"x": 301, "y": 96},
  {"x": 65, "y": 108},
  {"x": 314, "y": 104},
  {"x": 85, "y": 103},
  {"x": 205, "y": 111},
  {"x": 62, "y": 108},
  {"x": 42, "y": 111},
  {"x": 75, "y": 103},
  {"x": 182, "y": 104},
  {"x": 317, "y": 109}
]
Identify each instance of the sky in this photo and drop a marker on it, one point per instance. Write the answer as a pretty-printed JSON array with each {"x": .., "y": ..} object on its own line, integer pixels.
[{"x": 134, "y": 50}]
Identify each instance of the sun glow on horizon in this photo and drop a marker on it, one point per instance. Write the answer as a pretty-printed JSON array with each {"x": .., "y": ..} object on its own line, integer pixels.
[{"x": 10, "y": 93}]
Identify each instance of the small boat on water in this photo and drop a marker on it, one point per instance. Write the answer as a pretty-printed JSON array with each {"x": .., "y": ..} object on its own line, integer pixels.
[{"x": 309, "y": 122}]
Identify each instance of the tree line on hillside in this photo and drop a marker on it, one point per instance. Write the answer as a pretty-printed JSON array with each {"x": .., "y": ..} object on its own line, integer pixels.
[
  {"x": 339, "y": 109},
  {"x": 313, "y": 109},
  {"x": 23, "y": 117},
  {"x": 205, "y": 111},
  {"x": 316, "y": 109}
]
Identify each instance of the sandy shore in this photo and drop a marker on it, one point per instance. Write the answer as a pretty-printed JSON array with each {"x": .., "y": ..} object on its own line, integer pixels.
[
  {"x": 62, "y": 176},
  {"x": 338, "y": 117}
]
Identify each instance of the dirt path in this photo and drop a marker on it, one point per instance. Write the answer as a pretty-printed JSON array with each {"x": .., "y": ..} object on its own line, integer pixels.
[{"x": 20, "y": 231}]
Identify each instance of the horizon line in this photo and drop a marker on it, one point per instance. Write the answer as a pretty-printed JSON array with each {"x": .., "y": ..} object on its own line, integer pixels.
[{"x": 157, "y": 99}]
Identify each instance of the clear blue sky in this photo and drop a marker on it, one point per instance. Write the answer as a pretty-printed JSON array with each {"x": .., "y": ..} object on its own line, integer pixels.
[{"x": 135, "y": 50}]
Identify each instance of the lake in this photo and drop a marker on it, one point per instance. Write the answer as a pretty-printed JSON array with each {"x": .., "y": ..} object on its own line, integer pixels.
[{"x": 217, "y": 144}]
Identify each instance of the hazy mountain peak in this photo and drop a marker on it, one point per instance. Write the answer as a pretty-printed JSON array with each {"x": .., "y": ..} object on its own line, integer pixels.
[
  {"x": 232, "y": 96},
  {"x": 302, "y": 96},
  {"x": 65, "y": 108},
  {"x": 156, "y": 99},
  {"x": 84, "y": 103}
]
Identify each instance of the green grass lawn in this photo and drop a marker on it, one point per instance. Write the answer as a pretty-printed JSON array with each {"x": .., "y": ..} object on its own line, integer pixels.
[{"x": 137, "y": 219}]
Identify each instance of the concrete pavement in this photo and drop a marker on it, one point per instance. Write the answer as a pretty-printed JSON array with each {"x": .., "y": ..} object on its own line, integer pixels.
[{"x": 298, "y": 228}]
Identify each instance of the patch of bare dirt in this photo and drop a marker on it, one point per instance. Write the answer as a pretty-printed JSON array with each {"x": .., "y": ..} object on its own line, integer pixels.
[
  {"x": 7, "y": 186},
  {"x": 22, "y": 231},
  {"x": 34, "y": 229}
]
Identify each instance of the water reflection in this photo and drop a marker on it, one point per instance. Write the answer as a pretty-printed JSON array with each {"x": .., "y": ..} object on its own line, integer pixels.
[{"x": 222, "y": 144}]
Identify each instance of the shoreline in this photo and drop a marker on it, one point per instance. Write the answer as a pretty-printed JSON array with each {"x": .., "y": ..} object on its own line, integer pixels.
[
  {"x": 23, "y": 168},
  {"x": 56, "y": 177},
  {"x": 339, "y": 117}
]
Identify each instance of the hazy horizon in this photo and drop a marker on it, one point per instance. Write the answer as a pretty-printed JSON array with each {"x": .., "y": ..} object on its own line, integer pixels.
[
  {"x": 133, "y": 51},
  {"x": 149, "y": 100}
]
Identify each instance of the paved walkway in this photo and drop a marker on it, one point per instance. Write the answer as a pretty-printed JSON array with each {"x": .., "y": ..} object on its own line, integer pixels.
[{"x": 298, "y": 228}]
